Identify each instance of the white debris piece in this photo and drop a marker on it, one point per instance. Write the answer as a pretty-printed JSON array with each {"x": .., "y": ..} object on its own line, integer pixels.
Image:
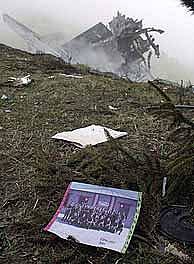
[
  {"x": 26, "y": 80},
  {"x": 112, "y": 108},
  {"x": 91, "y": 135},
  {"x": 174, "y": 251},
  {"x": 4, "y": 97},
  {"x": 164, "y": 186},
  {"x": 21, "y": 81},
  {"x": 71, "y": 76}
]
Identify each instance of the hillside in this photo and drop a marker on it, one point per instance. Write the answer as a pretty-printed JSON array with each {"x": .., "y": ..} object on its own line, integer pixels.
[{"x": 35, "y": 170}]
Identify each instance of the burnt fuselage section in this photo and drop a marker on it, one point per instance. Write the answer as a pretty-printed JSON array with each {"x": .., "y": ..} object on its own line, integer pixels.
[{"x": 124, "y": 47}]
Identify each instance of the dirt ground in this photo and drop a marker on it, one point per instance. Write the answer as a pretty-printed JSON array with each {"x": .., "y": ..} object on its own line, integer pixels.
[{"x": 35, "y": 170}]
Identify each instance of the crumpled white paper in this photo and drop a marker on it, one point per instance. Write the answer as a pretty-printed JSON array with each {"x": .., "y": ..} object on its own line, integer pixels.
[{"x": 91, "y": 135}]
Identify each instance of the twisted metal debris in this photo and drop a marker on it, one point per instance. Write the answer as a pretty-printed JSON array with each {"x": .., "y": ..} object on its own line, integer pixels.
[{"x": 123, "y": 47}]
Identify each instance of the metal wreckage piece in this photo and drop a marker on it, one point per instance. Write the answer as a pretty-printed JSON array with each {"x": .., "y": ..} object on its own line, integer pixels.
[
  {"x": 124, "y": 47},
  {"x": 33, "y": 40}
]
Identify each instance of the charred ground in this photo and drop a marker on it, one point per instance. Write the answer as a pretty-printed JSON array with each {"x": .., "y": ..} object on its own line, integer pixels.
[{"x": 35, "y": 170}]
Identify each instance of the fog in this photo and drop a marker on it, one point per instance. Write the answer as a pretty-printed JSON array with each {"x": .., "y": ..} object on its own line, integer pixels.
[{"x": 72, "y": 17}]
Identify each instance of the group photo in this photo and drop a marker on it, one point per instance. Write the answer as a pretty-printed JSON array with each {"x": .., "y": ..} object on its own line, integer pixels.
[
  {"x": 100, "y": 212},
  {"x": 97, "y": 218}
]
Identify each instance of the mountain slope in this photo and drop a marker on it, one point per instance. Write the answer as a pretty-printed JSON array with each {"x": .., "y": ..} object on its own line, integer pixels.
[{"x": 35, "y": 170}]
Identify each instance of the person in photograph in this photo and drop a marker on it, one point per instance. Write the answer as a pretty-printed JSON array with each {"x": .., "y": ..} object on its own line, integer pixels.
[{"x": 95, "y": 217}]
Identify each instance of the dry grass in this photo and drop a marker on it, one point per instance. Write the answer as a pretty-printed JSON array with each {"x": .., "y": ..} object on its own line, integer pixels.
[{"x": 35, "y": 170}]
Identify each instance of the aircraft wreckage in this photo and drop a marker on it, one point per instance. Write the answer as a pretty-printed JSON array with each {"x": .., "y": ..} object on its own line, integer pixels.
[{"x": 124, "y": 47}]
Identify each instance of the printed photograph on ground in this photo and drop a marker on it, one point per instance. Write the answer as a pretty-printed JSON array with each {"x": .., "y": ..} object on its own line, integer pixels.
[{"x": 97, "y": 216}]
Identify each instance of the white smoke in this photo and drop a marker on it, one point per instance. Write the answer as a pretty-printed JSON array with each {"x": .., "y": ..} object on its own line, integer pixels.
[{"x": 72, "y": 17}]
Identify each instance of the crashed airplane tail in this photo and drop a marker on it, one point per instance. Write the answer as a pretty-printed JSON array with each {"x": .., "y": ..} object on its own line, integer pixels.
[{"x": 33, "y": 40}]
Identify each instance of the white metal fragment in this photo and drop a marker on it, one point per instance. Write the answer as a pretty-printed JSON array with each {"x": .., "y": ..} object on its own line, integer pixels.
[
  {"x": 71, "y": 76},
  {"x": 20, "y": 81},
  {"x": 91, "y": 135}
]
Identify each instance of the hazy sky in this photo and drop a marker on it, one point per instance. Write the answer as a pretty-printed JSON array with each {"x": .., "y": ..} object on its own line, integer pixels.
[{"x": 48, "y": 16}]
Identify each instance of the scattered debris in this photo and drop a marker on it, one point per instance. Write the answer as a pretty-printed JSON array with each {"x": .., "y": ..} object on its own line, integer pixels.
[
  {"x": 97, "y": 216},
  {"x": 4, "y": 97},
  {"x": 20, "y": 81},
  {"x": 91, "y": 135},
  {"x": 174, "y": 223},
  {"x": 20, "y": 136}
]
